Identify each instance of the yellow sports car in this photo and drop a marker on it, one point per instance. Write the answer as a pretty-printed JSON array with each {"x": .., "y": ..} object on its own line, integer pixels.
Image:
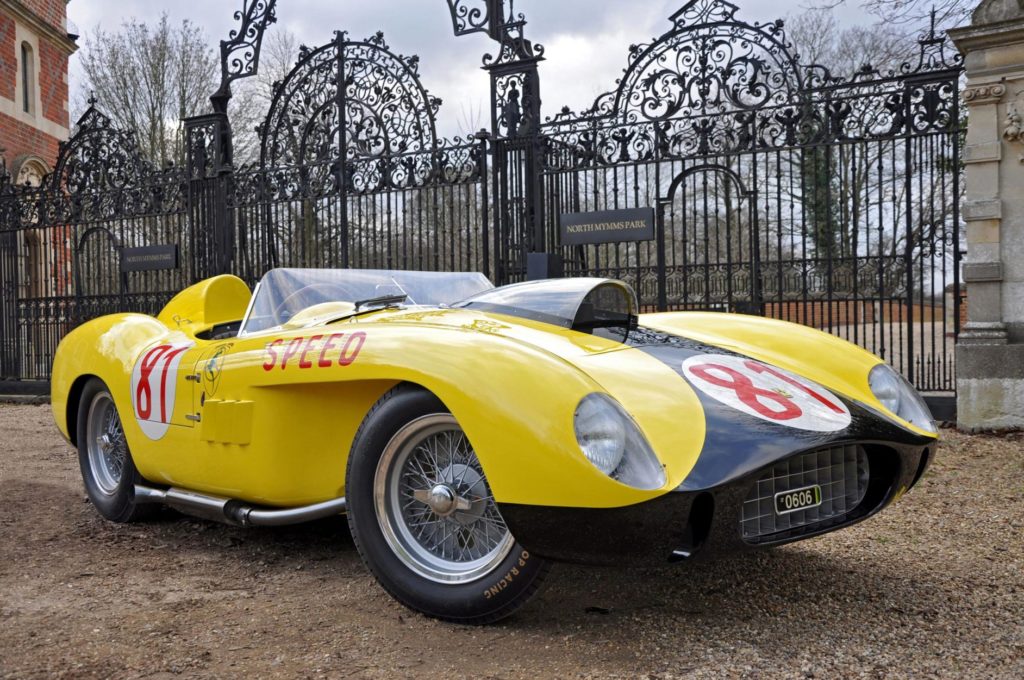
[{"x": 473, "y": 434}]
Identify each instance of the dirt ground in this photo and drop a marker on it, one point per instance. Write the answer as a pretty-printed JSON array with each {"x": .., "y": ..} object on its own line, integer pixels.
[{"x": 932, "y": 587}]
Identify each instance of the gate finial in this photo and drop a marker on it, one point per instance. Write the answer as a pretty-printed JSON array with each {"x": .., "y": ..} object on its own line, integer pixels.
[
  {"x": 247, "y": 39},
  {"x": 704, "y": 12},
  {"x": 503, "y": 27},
  {"x": 490, "y": 19}
]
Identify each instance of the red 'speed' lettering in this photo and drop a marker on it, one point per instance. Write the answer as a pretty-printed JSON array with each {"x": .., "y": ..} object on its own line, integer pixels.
[
  {"x": 324, "y": 362},
  {"x": 291, "y": 350},
  {"x": 303, "y": 361},
  {"x": 272, "y": 358},
  {"x": 351, "y": 349}
]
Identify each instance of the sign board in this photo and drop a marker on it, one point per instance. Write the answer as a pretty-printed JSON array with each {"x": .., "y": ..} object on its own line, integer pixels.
[
  {"x": 606, "y": 226},
  {"x": 149, "y": 258}
]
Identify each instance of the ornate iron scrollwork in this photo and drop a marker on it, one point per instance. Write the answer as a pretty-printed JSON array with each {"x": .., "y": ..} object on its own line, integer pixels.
[
  {"x": 804, "y": 192},
  {"x": 240, "y": 53},
  {"x": 98, "y": 157},
  {"x": 468, "y": 19},
  {"x": 715, "y": 84},
  {"x": 515, "y": 83},
  {"x": 357, "y": 104},
  {"x": 207, "y": 145}
]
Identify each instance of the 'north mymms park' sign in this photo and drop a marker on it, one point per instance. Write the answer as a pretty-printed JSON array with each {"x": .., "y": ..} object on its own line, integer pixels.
[
  {"x": 149, "y": 258},
  {"x": 606, "y": 226}
]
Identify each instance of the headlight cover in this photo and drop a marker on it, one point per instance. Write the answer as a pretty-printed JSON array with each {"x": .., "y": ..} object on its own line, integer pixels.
[
  {"x": 613, "y": 443},
  {"x": 900, "y": 397}
]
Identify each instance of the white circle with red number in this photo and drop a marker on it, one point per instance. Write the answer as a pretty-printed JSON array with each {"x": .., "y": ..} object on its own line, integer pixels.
[
  {"x": 154, "y": 386},
  {"x": 767, "y": 392}
]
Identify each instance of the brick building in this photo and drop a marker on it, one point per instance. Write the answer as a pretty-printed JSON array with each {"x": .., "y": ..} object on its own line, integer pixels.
[{"x": 34, "y": 49}]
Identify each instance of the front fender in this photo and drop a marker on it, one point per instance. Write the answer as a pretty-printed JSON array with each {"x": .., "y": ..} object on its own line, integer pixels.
[{"x": 515, "y": 401}]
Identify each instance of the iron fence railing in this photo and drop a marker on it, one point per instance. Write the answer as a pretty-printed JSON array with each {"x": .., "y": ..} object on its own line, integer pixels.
[{"x": 779, "y": 188}]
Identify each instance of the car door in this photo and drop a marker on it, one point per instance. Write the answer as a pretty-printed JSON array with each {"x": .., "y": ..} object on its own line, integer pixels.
[{"x": 223, "y": 417}]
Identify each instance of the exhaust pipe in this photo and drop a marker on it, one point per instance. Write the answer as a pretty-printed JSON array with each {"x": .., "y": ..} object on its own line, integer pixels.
[
  {"x": 236, "y": 512},
  {"x": 247, "y": 515}
]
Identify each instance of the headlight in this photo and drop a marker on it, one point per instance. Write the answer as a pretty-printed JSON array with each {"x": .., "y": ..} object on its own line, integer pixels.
[
  {"x": 601, "y": 433},
  {"x": 614, "y": 444},
  {"x": 900, "y": 397}
]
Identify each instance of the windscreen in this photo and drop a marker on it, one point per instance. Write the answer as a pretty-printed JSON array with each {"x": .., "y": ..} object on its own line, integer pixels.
[{"x": 281, "y": 293}]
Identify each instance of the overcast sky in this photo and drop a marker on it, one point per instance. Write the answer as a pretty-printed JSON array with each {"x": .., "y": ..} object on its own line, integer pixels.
[{"x": 586, "y": 40}]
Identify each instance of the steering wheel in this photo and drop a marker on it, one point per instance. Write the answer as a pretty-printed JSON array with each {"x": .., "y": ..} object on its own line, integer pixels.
[{"x": 310, "y": 295}]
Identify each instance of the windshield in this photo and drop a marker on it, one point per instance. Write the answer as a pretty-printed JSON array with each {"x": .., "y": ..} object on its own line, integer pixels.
[{"x": 282, "y": 293}]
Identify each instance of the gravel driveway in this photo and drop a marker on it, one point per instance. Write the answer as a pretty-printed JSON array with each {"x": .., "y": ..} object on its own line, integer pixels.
[{"x": 932, "y": 587}]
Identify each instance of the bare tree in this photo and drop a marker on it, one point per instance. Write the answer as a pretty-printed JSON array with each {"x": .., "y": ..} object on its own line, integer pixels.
[
  {"x": 947, "y": 13},
  {"x": 148, "y": 78},
  {"x": 818, "y": 39},
  {"x": 253, "y": 96},
  {"x": 834, "y": 181}
]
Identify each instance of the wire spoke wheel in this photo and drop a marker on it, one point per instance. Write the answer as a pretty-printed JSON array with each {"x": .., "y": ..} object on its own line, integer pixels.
[
  {"x": 106, "y": 444},
  {"x": 434, "y": 506}
]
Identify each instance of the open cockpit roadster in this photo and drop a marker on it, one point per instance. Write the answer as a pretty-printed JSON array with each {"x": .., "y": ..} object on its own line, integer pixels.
[{"x": 472, "y": 434}]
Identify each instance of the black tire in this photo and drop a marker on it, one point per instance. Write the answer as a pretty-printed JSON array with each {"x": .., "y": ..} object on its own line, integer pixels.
[
  {"x": 481, "y": 598},
  {"x": 112, "y": 496}
]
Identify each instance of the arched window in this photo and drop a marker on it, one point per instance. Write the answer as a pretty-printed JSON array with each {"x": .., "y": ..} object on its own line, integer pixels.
[
  {"x": 28, "y": 79},
  {"x": 41, "y": 252}
]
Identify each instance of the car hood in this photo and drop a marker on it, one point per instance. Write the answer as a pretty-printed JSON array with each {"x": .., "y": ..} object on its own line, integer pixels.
[{"x": 668, "y": 338}]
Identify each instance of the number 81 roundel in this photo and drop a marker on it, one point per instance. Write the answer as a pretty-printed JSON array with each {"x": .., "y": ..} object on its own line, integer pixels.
[
  {"x": 767, "y": 392},
  {"x": 154, "y": 383}
]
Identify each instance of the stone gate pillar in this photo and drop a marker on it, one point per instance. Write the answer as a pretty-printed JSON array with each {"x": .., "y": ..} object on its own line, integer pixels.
[{"x": 990, "y": 352}]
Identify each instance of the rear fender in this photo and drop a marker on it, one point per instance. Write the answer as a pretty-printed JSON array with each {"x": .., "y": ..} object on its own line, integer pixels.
[{"x": 105, "y": 348}]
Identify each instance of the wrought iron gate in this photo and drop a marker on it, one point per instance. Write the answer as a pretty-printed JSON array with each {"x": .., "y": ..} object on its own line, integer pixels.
[
  {"x": 779, "y": 188},
  {"x": 708, "y": 245},
  {"x": 355, "y": 175}
]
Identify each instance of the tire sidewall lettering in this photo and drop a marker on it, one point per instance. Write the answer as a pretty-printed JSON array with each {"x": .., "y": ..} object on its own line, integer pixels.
[{"x": 510, "y": 575}]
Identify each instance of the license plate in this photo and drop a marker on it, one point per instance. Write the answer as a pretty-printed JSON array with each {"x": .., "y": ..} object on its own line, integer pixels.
[{"x": 797, "y": 499}]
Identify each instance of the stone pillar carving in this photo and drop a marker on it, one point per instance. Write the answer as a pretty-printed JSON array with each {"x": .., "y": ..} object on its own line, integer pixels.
[{"x": 990, "y": 351}]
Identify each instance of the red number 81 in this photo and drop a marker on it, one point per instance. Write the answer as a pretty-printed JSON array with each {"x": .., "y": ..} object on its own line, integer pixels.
[
  {"x": 144, "y": 391},
  {"x": 754, "y": 397}
]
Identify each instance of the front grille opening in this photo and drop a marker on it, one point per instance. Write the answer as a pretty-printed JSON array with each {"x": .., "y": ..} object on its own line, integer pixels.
[{"x": 841, "y": 473}]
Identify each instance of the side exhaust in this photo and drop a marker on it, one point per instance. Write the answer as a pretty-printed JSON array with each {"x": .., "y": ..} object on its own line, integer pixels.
[{"x": 236, "y": 512}]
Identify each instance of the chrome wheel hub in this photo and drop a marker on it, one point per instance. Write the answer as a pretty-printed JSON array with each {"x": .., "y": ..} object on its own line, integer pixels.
[
  {"x": 107, "y": 447},
  {"x": 434, "y": 506},
  {"x": 442, "y": 500}
]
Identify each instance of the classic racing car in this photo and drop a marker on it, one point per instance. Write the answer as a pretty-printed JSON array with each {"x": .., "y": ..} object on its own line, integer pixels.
[{"x": 474, "y": 434}]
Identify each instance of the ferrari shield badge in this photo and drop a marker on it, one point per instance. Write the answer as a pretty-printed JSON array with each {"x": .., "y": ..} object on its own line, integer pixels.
[{"x": 767, "y": 392}]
